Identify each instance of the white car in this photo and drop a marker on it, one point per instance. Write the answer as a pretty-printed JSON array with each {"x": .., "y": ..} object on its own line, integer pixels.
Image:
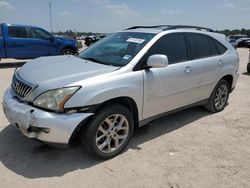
[{"x": 119, "y": 83}]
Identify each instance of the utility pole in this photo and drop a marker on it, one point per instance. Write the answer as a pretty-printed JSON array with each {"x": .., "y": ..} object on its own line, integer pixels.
[{"x": 50, "y": 17}]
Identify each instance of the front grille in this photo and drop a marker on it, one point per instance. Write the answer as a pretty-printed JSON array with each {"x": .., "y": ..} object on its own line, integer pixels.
[{"x": 21, "y": 89}]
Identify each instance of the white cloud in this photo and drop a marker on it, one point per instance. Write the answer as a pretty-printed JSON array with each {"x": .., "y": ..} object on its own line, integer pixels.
[
  {"x": 6, "y": 6},
  {"x": 172, "y": 12},
  {"x": 121, "y": 10},
  {"x": 227, "y": 5},
  {"x": 245, "y": 9},
  {"x": 101, "y": 2},
  {"x": 98, "y": 1},
  {"x": 65, "y": 13}
]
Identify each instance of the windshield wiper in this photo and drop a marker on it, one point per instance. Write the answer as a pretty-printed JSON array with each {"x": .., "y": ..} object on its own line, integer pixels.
[
  {"x": 93, "y": 59},
  {"x": 96, "y": 61}
]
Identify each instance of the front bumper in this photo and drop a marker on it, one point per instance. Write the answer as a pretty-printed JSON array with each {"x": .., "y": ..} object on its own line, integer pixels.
[{"x": 41, "y": 125}]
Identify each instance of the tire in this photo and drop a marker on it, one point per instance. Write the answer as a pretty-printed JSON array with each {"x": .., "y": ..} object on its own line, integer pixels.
[
  {"x": 67, "y": 51},
  {"x": 248, "y": 67},
  {"x": 104, "y": 137},
  {"x": 219, "y": 97}
]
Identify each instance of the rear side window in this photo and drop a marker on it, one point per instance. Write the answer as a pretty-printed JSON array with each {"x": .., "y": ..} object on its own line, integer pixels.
[
  {"x": 221, "y": 49},
  {"x": 17, "y": 32},
  {"x": 199, "y": 45},
  {"x": 173, "y": 45},
  {"x": 213, "y": 48}
]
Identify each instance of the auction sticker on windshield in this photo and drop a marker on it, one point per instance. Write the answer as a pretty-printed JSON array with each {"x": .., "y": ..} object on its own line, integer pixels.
[{"x": 136, "y": 40}]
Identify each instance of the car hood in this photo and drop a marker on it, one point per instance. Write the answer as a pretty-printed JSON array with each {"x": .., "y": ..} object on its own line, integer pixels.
[{"x": 60, "y": 71}]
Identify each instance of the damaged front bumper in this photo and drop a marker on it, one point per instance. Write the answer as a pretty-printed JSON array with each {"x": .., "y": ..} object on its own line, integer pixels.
[{"x": 41, "y": 125}]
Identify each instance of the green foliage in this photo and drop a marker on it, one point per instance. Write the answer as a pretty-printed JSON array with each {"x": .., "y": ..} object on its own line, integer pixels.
[
  {"x": 74, "y": 34},
  {"x": 228, "y": 32}
]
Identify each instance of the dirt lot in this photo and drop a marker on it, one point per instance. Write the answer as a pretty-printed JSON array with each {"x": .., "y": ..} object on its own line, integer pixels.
[{"x": 192, "y": 148}]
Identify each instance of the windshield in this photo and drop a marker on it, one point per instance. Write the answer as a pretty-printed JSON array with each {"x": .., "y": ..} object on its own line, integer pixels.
[{"x": 118, "y": 49}]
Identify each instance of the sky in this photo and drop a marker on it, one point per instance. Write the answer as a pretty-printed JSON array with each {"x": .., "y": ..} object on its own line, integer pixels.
[{"x": 115, "y": 15}]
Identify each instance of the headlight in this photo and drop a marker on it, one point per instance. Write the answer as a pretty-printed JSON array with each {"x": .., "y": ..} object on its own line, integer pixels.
[{"x": 55, "y": 99}]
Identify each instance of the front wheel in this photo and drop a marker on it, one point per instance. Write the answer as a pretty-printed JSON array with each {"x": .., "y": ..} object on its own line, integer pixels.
[
  {"x": 67, "y": 51},
  {"x": 109, "y": 132},
  {"x": 219, "y": 97}
]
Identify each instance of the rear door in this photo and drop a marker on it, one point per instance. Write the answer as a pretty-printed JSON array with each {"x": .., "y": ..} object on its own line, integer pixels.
[
  {"x": 42, "y": 43},
  {"x": 207, "y": 63},
  {"x": 2, "y": 51},
  {"x": 17, "y": 43},
  {"x": 168, "y": 88}
]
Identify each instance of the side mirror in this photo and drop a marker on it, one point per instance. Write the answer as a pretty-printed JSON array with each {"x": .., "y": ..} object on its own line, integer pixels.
[{"x": 157, "y": 61}]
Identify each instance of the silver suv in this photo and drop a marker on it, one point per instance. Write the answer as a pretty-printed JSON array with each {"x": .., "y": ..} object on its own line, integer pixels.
[{"x": 121, "y": 82}]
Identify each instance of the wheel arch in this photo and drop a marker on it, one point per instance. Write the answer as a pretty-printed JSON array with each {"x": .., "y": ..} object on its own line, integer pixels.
[
  {"x": 229, "y": 79},
  {"x": 128, "y": 103},
  {"x": 125, "y": 101},
  {"x": 67, "y": 47}
]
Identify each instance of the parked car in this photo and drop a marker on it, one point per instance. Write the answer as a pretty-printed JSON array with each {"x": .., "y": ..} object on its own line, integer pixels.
[
  {"x": 24, "y": 42},
  {"x": 92, "y": 39},
  {"x": 242, "y": 42},
  {"x": 248, "y": 43},
  {"x": 248, "y": 65},
  {"x": 120, "y": 83},
  {"x": 81, "y": 37},
  {"x": 236, "y": 37}
]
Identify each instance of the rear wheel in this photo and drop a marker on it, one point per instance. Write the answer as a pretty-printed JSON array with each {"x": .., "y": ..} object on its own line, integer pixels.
[
  {"x": 219, "y": 97},
  {"x": 248, "y": 67},
  {"x": 67, "y": 51},
  {"x": 109, "y": 132}
]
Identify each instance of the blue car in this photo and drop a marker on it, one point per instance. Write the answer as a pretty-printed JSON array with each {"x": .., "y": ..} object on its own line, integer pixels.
[{"x": 26, "y": 42}]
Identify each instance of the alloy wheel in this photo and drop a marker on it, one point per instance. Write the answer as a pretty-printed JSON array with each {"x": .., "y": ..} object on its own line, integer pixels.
[
  {"x": 112, "y": 133},
  {"x": 221, "y": 97}
]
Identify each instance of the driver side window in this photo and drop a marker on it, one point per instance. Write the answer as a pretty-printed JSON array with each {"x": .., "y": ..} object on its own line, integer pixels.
[
  {"x": 39, "y": 34},
  {"x": 171, "y": 45}
]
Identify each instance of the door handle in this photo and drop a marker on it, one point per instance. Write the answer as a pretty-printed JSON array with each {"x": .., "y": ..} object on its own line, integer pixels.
[
  {"x": 220, "y": 63},
  {"x": 188, "y": 69}
]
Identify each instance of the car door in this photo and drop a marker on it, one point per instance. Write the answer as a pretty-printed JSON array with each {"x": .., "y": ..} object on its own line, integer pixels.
[
  {"x": 42, "y": 42},
  {"x": 206, "y": 61},
  {"x": 17, "y": 43},
  {"x": 168, "y": 88}
]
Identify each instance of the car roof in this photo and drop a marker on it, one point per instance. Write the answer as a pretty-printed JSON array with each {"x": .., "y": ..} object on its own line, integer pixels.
[
  {"x": 19, "y": 25},
  {"x": 177, "y": 29},
  {"x": 160, "y": 28}
]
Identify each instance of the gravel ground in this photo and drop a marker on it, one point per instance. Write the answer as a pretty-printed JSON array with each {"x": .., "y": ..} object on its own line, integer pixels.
[{"x": 191, "y": 148}]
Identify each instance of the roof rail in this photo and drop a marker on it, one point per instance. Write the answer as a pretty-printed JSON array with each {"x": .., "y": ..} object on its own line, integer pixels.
[
  {"x": 148, "y": 27},
  {"x": 189, "y": 27},
  {"x": 169, "y": 27}
]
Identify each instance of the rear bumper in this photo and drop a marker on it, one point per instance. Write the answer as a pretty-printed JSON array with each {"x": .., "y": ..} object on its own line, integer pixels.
[{"x": 41, "y": 125}]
